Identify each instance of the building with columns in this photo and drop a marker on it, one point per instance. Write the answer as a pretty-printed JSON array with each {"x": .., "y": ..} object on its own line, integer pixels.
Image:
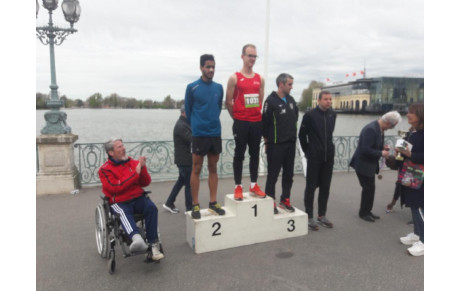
[{"x": 379, "y": 94}]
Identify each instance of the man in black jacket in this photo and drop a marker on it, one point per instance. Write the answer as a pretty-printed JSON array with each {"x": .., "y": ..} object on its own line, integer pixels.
[
  {"x": 315, "y": 136},
  {"x": 279, "y": 119},
  {"x": 183, "y": 160}
]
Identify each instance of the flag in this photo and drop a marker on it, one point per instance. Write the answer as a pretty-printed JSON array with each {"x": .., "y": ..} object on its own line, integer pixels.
[
  {"x": 328, "y": 80},
  {"x": 347, "y": 75},
  {"x": 354, "y": 74},
  {"x": 362, "y": 72}
]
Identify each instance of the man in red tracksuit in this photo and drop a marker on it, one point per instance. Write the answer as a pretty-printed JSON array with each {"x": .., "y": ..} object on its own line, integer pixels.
[{"x": 122, "y": 181}]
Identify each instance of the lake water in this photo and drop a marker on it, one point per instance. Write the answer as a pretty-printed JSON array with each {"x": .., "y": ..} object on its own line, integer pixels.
[{"x": 98, "y": 125}]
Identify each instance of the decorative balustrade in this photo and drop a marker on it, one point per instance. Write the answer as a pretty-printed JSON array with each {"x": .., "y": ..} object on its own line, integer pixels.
[{"x": 160, "y": 158}]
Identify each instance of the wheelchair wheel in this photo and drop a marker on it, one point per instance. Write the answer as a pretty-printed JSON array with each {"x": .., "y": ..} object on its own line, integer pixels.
[{"x": 102, "y": 232}]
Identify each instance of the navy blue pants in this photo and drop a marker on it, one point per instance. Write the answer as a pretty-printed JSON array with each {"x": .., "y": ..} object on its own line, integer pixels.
[
  {"x": 183, "y": 180},
  {"x": 418, "y": 218},
  {"x": 367, "y": 194},
  {"x": 142, "y": 205}
]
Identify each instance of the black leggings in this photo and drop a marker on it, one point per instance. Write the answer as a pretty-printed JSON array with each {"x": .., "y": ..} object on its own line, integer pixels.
[{"x": 246, "y": 133}]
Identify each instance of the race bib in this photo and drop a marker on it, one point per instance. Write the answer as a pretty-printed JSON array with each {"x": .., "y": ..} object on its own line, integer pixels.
[{"x": 251, "y": 100}]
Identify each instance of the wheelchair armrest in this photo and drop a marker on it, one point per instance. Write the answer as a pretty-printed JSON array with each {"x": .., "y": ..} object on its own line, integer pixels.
[{"x": 103, "y": 197}]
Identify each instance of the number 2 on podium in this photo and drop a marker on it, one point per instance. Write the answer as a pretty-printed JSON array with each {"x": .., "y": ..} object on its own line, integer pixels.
[{"x": 216, "y": 231}]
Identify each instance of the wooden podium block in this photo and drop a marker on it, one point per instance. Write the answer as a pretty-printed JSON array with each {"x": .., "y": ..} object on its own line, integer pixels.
[{"x": 245, "y": 222}]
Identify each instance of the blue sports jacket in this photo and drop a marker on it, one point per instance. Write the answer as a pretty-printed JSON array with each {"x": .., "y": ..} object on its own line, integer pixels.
[{"x": 203, "y": 104}]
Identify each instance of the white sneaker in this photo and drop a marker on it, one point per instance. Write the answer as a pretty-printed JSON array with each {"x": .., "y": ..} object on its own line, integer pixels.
[
  {"x": 138, "y": 245},
  {"x": 409, "y": 239},
  {"x": 156, "y": 253},
  {"x": 417, "y": 249}
]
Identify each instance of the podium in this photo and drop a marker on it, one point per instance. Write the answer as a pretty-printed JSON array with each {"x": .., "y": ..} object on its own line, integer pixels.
[{"x": 245, "y": 222}]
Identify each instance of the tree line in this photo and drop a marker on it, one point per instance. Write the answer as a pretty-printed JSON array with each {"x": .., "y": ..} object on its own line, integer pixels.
[
  {"x": 116, "y": 101},
  {"x": 112, "y": 101}
]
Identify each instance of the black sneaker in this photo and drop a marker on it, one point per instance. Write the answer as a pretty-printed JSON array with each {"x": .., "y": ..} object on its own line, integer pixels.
[
  {"x": 171, "y": 208},
  {"x": 196, "y": 211},
  {"x": 275, "y": 210},
  {"x": 374, "y": 216},
  {"x": 216, "y": 208}
]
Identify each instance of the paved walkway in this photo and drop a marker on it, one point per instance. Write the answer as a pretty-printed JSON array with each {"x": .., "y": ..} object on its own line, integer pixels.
[{"x": 354, "y": 255}]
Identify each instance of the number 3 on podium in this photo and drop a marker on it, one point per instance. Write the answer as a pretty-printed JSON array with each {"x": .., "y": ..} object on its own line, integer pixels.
[{"x": 291, "y": 227}]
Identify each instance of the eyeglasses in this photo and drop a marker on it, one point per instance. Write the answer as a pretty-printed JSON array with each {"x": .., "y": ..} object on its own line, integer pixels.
[{"x": 252, "y": 56}]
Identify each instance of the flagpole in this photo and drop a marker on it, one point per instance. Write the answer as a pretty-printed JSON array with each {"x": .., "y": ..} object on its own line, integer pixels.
[
  {"x": 364, "y": 68},
  {"x": 267, "y": 33}
]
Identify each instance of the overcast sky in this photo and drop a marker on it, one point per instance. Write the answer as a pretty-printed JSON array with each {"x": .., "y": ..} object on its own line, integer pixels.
[{"x": 151, "y": 49}]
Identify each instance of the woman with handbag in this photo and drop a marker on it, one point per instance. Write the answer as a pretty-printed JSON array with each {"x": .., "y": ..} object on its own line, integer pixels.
[{"x": 411, "y": 179}]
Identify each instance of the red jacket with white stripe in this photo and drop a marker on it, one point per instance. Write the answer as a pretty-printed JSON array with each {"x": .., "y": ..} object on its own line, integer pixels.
[{"x": 120, "y": 181}]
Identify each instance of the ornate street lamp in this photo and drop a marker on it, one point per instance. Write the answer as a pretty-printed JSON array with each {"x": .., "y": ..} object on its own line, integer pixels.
[{"x": 52, "y": 35}]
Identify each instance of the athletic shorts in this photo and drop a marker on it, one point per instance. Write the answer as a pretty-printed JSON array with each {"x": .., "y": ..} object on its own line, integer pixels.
[{"x": 204, "y": 145}]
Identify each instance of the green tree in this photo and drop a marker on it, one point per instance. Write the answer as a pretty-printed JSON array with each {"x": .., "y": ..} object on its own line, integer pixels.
[
  {"x": 147, "y": 104},
  {"x": 168, "y": 102},
  {"x": 79, "y": 103},
  {"x": 131, "y": 103},
  {"x": 40, "y": 102},
  {"x": 68, "y": 103},
  {"x": 307, "y": 95},
  {"x": 112, "y": 101},
  {"x": 95, "y": 100}
]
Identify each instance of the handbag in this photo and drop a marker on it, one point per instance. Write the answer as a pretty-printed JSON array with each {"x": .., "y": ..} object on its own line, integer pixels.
[
  {"x": 391, "y": 163},
  {"x": 411, "y": 175}
]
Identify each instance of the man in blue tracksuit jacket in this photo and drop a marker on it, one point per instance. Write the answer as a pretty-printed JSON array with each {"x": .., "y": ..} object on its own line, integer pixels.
[{"x": 203, "y": 103}]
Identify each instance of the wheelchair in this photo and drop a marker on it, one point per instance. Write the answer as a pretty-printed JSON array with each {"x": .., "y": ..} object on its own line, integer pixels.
[{"x": 109, "y": 231}]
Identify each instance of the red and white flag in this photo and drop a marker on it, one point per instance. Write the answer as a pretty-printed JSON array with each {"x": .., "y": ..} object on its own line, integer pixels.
[
  {"x": 328, "y": 80},
  {"x": 354, "y": 74}
]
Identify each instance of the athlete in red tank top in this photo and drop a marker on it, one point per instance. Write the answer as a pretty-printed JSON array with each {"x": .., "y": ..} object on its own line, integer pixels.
[
  {"x": 244, "y": 97},
  {"x": 246, "y": 104}
]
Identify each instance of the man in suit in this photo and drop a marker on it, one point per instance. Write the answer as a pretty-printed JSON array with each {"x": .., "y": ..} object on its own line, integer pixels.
[{"x": 366, "y": 158}]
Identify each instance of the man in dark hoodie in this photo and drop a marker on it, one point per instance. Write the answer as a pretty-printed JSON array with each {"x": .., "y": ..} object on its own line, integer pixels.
[
  {"x": 315, "y": 136},
  {"x": 279, "y": 118},
  {"x": 183, "y": 159}
]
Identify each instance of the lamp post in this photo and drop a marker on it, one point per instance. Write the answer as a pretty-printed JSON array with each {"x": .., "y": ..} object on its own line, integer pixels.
[{"x": 52, "y": 35}]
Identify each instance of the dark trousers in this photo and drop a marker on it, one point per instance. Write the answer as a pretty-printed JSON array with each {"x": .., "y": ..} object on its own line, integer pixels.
[
  {"x": 319, "y": 174},
  {"x": 249, "y": 134},
  {"x": 280, "y": 156},
  {"x": 142, "y": 205},
  {"x": 183, "y": 180},
  {"x": 418, "y": 218},
  {"x": 367, "y": 194}
]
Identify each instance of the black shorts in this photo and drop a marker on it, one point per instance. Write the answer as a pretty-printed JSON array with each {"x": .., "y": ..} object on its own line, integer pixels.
[{"x": 204, "y": 145}]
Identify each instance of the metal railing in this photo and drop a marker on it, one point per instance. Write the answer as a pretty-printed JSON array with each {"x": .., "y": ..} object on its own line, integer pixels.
[{"x": 160, "y": 158}]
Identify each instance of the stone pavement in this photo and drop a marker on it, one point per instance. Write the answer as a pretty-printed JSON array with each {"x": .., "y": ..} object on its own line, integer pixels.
[{"x": 354, "y": 255}]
